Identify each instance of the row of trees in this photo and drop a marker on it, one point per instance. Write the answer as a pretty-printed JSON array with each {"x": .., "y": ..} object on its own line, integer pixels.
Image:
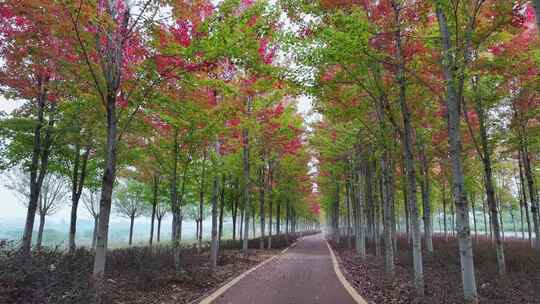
[
  {"x": 177, "y": 101},
  {"x": 132, "y": 200},
  {"x": 427, "y": 107}
]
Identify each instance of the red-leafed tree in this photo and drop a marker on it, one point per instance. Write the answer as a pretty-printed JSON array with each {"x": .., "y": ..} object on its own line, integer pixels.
[
  {"x": 108, "y": 52},
  {"x": 31, "y": 57}
]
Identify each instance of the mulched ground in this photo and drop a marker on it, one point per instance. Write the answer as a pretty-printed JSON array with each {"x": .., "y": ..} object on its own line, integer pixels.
[
  {"x": 134, "y": 275},
  {"x": 198, "y": 282},
  {"x": 442, "y": 274}
]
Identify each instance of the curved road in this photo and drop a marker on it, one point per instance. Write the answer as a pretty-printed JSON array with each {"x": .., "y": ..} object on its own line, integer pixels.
[{"x": 302, "y": 275}]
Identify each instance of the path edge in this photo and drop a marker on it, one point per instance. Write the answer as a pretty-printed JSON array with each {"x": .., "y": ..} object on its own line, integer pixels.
[
  {"x": 350, "y": 289},
  {"x": 230, "y": 283}
]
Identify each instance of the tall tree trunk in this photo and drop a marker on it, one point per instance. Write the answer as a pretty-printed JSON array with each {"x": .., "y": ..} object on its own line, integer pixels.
[
  {"x": 158, "y": 236},
  {"x": 426, "y": 202},
  {"x": 406, "y": 209},
  {"x": 175, "y": 208},
  {"x": 77, "y": 184},
  {"x": 348, "y": 217},
  {"x": 474, "y": 217},
  {"x": 444, "y": 209},
  {"x": 353, "y": 185},
  {"x": 521, "y": 203},
  {"x": 221, "y": 209},
  {"x": 376, "y": 225},
  {"x": 247, "y": 183},
  {"x": 490, "y": 226},
  {"x": 179, "y": 230},
  {"x": 287, "y": 221},
  {"x": 109, "y": 176},
  {"x": 278, "y": 217},
  {"x": 409, "y": 163},
  {"x": 532, "y": 192},
  {"x": 453, "y": 220},
  {"x": 522, "y": 222},
  {"x": 368, "y": 201},
  {"x": 439, "y": 223},
  {"x": 235, "y": 210},
  {"x": 198, "y": 223},
  {"x": 485, "y": 155},
  {"x": 111, "y": 61},
  {"x": 388, "y": 202},
  {"x": 201, "y": 205},
  {"x": 391, "y": 198},
  {"x": 269, "y": 191},
  {"x": 241, "y": 225},
  {"x": 261, "y": 202},
  {"x": 40, "y": 230},
  {"x": 94, "y": 233},
  {"x": 173, "y": 226},
  {"x": 293, "y": 220},
  {"x": 155, "y": 184},
  {"x": 335, "y": 217},
  {"x": 253, "y": 225},
  {"x": 485, "y": 219},
  {"x": 460, "y": 198},
  {"x": 214, "y": 240},
  {"x": 38, "y": 167},
  {"x": 501, "y": 218},
  {"x": 513, "y": 222},
  {"x": 131, "y": 222},
  {"x": 270, "y": 224},
  {"x": 368, "y": 206},
  {"x": 524, "y": 195},
  {"x": 360, "y": 216}
]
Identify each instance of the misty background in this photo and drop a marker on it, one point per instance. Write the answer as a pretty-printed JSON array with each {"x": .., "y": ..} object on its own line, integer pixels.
[{"x": 13, "y": 213}]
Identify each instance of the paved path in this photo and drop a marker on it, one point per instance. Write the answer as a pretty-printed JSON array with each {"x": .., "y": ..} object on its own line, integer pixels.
[{"x": 303, "y": 275}]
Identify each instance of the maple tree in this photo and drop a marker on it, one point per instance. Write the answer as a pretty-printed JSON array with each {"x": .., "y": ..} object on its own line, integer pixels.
[
  {"x": 425, "y": 110},
  {"x": 365, "y": 76},
  {"x": 30, "y": 71}
]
